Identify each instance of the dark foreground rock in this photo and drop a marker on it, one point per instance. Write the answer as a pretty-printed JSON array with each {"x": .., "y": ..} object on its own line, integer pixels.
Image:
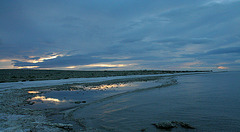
[
  {"x": 173, "y": 124},
  {"x": 165, "y": 125},
  {"x": 183, "y": 124},
  {"x": 79, "y": 102}
]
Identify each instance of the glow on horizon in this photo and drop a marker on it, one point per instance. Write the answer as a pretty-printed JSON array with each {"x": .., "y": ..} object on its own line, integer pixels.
[
  {"x": 106, "y": 65},
  {"x": 6, "y": 64},
  {"x": 99, "y": 65},
  {"x": 27, "y": 67},
  {"x": 222, "y": 67},
  {"x": 71, "y": 67},
  {"x": 5, "y": 60}
]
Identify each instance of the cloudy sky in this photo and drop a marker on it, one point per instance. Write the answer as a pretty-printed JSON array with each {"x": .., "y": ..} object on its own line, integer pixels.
[{"x": 120, "y": 34}]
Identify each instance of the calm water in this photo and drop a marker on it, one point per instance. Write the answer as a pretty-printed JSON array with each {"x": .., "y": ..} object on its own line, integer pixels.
[{"x": 209, "y": 102}]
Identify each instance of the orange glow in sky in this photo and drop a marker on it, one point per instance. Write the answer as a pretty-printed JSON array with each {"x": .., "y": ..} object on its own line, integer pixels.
[
  {"x": 221, "y": 67},
  {"x": 71, "y": 67},
  {"x": 106, "y": 65},
  {"x": 29, "y": 67},
  {"x": 5, "y": 60}
]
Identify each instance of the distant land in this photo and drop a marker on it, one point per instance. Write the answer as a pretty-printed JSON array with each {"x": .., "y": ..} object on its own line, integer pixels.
[{"x": 16, "y": 75}]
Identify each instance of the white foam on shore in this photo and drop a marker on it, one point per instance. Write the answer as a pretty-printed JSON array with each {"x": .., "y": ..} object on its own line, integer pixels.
[{"x": 28, "y": 84}]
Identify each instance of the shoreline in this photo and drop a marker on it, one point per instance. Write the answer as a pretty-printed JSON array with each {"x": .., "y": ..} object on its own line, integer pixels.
[
  {"x": 14, "y": 99},
  {"x": 23, "y": 75},
  {"x": 42, "y": 83}
]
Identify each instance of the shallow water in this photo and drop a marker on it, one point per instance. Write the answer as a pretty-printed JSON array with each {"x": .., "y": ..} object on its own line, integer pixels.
[
  {"x": 57, "y": 98},
  {"x": 208, "y": 102}
]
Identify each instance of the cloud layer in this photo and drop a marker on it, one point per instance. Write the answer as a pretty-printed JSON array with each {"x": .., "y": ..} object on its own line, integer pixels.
[{"x": 179, "y": 35}]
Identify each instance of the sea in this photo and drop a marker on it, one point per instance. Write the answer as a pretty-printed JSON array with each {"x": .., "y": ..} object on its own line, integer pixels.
[{"x": 206, "y": 101}]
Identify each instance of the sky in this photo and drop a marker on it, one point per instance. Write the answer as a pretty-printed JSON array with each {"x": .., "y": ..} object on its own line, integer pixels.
[{"x": 120, "y": 34}]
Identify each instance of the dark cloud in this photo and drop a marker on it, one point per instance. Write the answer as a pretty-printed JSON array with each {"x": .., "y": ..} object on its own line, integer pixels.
[
  {"x": 228, "y": 50},
  {"x": 183, "y": 41},
  {"x": 130, "y": 40},
  {"x": 216, "y": 52},
  {"x": 21, "y": 63}
]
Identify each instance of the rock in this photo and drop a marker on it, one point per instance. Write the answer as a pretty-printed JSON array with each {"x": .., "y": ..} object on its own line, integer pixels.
[
  {"x": 173, "y": 124},
  {"x": 31, "y": 103},
  {"x": 78, "y": 102},
  {"x": 184, "y": 125},
  {"x": 165, "y": 125}
]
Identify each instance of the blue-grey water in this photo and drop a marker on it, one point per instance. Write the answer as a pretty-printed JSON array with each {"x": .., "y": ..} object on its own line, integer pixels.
[{"x": 208, "y": 102}]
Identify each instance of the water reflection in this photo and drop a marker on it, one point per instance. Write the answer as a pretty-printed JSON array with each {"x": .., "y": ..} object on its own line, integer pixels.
[
  {"x": 69, "y": 95},
  {"x": 33, "y": 92},
  {"x": 101, "y": 87},
  {"x": 43, "y": 98},
  {"x": 105, "y": 87}
]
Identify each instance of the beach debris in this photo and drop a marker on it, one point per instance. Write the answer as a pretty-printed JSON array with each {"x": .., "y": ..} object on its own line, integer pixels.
[{"x": 173, "y": 124}]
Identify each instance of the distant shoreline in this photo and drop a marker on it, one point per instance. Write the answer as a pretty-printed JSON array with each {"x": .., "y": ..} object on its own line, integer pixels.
[{"x": 16, "y": 75}]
